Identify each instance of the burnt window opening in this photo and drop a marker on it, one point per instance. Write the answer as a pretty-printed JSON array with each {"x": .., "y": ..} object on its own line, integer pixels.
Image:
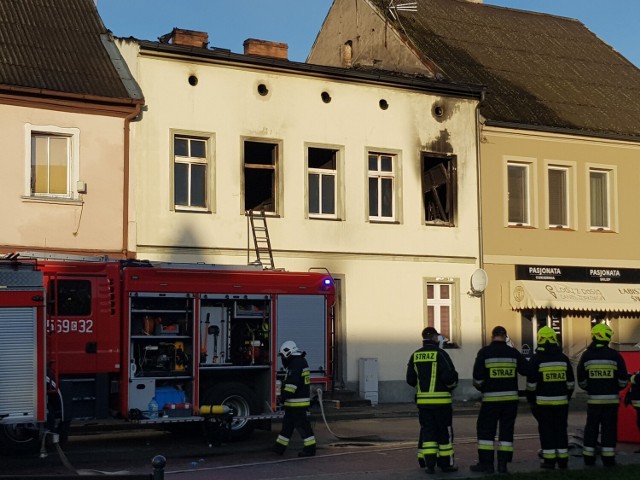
[
  {"x": 439, "y": 189},
  {"x": 260, "y": 163}
]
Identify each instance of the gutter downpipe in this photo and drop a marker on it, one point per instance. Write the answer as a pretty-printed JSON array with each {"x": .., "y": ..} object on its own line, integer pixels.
[
  {"x": 483, "y": 316},
  {"x": 126, "y": 187}
]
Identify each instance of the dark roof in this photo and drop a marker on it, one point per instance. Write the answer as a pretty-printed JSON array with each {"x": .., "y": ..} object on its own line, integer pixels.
[
  {"x": 540, "y": 70},
  {"x": 56, "y": 46}
]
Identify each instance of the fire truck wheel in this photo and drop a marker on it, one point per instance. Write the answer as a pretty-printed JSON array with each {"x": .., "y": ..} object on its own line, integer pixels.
[
  {"x": 19, "y": 439},
  {"x": 241, "y": 399}
]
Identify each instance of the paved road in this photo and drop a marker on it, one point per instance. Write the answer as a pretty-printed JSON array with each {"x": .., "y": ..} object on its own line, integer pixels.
[{"x": 369, "y": 447}]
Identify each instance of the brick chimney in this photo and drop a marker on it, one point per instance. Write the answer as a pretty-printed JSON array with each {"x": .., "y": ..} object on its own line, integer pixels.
[
  {"x": 186, "y": 38},
  {"x": 264, "y": 48}
]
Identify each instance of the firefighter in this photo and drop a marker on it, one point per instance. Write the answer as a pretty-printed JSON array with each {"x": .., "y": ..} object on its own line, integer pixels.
[
  {"x": 295, "y": 394},
  {"x": 495, "y": 375},
  {"x": 633, "y": 396},
  {"x": 550, "y": 385},
  {"x": 602, "y": 373},
  {"x": 431, "y": 372}
]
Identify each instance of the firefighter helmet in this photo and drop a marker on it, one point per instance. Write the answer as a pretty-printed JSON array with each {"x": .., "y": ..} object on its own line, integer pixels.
[
  {"x": 288, "y": 348},
  {"x": 601, "y": 332},
  {"x": 547, "y": 335}
]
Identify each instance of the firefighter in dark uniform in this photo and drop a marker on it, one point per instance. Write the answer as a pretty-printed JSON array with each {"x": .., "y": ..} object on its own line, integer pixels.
[
  {"x": 633, "y": 396},
  {"x": 602, "y": 373},
  {"x": 495, "y": 374},
  {"x": 550, "y": 385},
  {"x": 431, "y": 371},
  {"x": 295, "y": 394}
]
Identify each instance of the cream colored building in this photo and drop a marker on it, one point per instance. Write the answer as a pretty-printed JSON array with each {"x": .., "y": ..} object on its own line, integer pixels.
[
  {"x": 559, "y": 153},
  {"x": 372, "y": 176}
]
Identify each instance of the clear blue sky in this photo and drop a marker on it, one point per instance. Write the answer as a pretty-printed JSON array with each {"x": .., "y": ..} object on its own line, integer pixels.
[{"x": 296, "y": 22}]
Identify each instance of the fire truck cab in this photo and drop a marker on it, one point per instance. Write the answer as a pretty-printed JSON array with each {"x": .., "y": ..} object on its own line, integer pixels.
[{"x": 109, "y": 339}]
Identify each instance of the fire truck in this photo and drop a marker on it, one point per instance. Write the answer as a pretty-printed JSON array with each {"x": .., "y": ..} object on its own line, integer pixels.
[{"x": 89, "y": 339}]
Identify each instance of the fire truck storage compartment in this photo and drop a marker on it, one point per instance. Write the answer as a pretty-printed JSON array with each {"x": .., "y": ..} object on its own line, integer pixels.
[
  {"x": 235, "y": 331},
  {"x": 298, "y": 321},
  {"x": 22, "y": 382},
  {"x": 161, "y": 348}
]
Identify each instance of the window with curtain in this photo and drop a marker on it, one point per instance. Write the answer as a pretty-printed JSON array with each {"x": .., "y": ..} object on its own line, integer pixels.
[
  {"x": 518, "y": 193},
  {"x": 599, "y": 199},
  {"x": 558, "y": 195},
  {"x": 440, "y": 308}
]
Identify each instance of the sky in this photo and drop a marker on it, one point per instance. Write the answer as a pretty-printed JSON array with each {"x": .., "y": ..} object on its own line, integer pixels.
[{"x": 296, "y": 22}]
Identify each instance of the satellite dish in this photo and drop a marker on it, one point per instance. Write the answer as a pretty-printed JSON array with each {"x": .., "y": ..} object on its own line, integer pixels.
[{"x": 479, "y": 280}]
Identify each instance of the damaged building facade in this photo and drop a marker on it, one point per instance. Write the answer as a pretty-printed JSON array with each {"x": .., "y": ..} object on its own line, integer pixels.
[{"x": 371, "y": 175}]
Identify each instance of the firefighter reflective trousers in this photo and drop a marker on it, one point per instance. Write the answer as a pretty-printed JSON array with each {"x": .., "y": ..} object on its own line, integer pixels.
[
  {"x": 435, "y": 445},
  {"x": 295, "y": 418},
  {"x": 601, "y": 419},
  {"x": 552, "y": 428},
  {"x": 491, "y": 414}
]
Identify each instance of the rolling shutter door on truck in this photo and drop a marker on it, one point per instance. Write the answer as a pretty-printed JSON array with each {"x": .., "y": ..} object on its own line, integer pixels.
[
  {"x": 18, "y": 364},
  {"x": 303, "y": 319}
]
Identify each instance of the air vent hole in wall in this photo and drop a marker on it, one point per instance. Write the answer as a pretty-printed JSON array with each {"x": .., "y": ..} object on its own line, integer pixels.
[
  {"x": 438, "y": 110},
  {"x": 326, "y": 98},
  {"x": 262, "y": 89},
  {"x": 193, "y": 80},
  {"x": 383, "y": 104}
]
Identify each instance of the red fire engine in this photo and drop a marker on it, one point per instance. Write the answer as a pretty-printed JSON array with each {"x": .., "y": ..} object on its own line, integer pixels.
[{"x": 94, "y": 338}]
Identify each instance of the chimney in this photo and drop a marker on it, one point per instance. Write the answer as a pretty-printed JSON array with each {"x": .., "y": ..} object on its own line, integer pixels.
[
  {"x": 264, "y": 48},
  {"x": 186, "y": 38}
]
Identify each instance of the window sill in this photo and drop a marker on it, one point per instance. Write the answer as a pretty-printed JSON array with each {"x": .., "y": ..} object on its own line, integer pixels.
[
  {"x": 191, "y": 210},
  {"x": 451, "y": 346},
  {"x": 439, "y": 224},
  {"x": 602, "y": 230},
  {"x": 51, "y": 200},
  {"x": 322, "y": 217},
  {"x": 517, "y": 225},
  {"x": 560, "y": 228},
  {"x": 384, "y": 222}
]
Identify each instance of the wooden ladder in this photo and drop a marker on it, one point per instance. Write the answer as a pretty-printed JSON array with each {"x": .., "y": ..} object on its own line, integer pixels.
[{"x": 261, "y": 241}]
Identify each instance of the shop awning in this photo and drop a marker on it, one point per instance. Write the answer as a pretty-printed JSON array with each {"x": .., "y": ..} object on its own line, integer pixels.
[{"x": 598, "y": 297}]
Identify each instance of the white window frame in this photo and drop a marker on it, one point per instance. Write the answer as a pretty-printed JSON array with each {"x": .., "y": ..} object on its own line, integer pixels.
[
  {"x": 530, "y": 166},
  {"x": 452, "y": 302},
  {"x": 322, "y": 172},
  {"x": 570, "y": 197},
  {"x": 208, "y": 161},
  {"x": 612, "y": 202},
  {"x": 379, "y": 176},
  {"x": 73, "y": 160}
]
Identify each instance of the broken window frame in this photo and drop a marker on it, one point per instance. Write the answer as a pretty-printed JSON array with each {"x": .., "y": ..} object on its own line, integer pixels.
[{"x": 439, "y": 189}]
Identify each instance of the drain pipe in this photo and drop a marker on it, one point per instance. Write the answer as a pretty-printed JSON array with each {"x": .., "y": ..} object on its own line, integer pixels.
[{"x": 483, "y": 316}]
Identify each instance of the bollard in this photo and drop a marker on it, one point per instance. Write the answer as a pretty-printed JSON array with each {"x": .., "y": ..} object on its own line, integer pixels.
[{"x": 158, "y": 463}]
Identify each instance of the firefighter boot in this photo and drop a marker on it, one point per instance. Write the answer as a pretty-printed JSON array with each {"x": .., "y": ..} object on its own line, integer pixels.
[
  {"x": 502, "y": 466},
  {"x": 563, "y": 463},
  {"x": 308, "y": 451},
  {"x": 482, "y": 468},
  {"x": 278, "y": 448}
]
